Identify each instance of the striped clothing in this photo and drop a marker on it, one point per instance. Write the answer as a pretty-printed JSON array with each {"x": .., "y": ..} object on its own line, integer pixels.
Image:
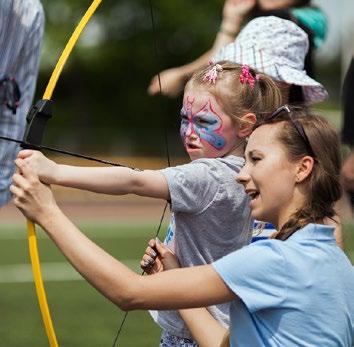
[{"x": 21, "y": 32}]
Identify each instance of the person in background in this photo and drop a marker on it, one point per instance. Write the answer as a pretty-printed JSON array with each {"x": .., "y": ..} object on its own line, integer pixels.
[
  {"x": 348, "y": 133},
  {"x": 235, "y": 13},
  {"x": 21, "y": 33}
]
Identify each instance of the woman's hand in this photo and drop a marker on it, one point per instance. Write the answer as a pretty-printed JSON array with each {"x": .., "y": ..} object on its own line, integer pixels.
[
  {"x": 158, "y": 257},
  {"x": 45, "y": 168},
  {"x": 34, "y": 199}
]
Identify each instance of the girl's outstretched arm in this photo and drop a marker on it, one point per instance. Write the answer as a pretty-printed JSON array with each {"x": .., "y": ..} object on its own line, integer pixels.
[
  {"x": 106, "y": 180},
  {"x": 181, "y": 288}
]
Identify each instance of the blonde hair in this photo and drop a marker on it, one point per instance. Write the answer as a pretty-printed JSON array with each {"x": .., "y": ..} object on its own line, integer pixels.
[{"x": 236, "y": 98}]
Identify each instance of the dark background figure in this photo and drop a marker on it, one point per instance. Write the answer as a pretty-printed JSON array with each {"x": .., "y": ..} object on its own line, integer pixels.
[{"x": 348, "y": 132}]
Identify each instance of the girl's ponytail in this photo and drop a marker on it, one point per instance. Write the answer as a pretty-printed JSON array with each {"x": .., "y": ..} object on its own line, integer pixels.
[{"x": 270, "y": 96}]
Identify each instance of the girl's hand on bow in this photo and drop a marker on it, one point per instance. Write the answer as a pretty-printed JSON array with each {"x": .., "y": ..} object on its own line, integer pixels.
[
  {"x": 45, "y": 168},
  {"x": 158, "y": 257},
  {"x": 34, "y": 199}
]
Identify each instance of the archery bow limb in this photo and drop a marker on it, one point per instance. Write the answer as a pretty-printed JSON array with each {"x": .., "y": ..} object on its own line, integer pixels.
[{"x": 31, "y": 231}]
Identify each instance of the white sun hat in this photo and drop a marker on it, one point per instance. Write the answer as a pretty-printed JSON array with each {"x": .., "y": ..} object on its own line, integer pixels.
[{"x": 276, "y": 47}]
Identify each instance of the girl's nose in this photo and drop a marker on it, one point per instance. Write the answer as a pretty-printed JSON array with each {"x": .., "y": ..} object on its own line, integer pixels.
[{"x": 193, "y": 136}]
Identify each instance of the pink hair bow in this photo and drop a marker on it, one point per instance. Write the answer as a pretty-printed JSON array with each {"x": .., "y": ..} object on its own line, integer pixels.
[
  {"x": 212, "y": 75},
  {"x": 246, "y": 76}
]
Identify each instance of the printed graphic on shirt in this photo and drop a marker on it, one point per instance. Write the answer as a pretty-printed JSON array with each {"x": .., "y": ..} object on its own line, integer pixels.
[
  {"x": 262, "y": 230},
  {"x": 170, "y": 235}
]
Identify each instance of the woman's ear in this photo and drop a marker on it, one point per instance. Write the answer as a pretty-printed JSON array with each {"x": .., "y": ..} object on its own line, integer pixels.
[
  {"x": 246, "y": 125},
  {"x": 304, "y": 168}
]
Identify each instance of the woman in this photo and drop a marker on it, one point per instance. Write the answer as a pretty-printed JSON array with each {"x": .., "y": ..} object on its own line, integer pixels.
[{"x": 303, "y": 296}]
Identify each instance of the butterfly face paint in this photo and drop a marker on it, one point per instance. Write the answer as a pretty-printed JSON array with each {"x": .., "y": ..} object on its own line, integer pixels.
[{"x": 206, "y": 131}]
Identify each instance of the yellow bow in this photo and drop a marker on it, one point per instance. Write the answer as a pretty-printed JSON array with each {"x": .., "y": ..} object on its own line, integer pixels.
[{"x": 31, "y": 231}]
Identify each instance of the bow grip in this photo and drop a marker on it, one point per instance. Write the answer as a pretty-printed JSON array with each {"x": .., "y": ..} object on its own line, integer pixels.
[{"x": 36, "y": 119}]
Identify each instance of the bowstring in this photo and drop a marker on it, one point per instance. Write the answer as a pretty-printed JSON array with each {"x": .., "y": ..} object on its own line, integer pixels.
[
  {"x": 154, "y": 35},
  {"x": 69, "y": 153}
]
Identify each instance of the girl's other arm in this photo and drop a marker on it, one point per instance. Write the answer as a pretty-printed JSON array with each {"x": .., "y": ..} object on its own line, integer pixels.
[{"x": 205, "y": 329}]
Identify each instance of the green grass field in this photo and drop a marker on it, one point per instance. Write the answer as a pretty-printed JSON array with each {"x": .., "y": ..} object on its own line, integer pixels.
[{"x": 81, "y": 316}]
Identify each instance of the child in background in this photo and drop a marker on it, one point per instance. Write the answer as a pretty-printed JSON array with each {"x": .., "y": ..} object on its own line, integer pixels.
[
  {"x": 235, "y": 13},
  {"x": 295, "y": 289},
  {"x": 278, "y": 48},
  {"x": 211, "y": 217}
]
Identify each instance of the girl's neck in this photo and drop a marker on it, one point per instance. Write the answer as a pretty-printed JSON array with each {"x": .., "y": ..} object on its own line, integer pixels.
[{"x": 239, "y": 149}]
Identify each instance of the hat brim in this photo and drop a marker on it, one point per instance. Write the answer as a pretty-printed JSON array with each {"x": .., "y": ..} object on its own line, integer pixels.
[
  {"x": 261, "y": 61},
  {"x": 313, "y": 91}
]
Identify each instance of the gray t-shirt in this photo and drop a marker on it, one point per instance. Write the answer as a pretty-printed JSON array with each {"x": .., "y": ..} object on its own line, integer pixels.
[{"x": 210, "y": 219}]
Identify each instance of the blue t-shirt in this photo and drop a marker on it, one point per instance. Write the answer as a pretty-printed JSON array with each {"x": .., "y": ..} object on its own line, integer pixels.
[{"x": 298, "y": 292}]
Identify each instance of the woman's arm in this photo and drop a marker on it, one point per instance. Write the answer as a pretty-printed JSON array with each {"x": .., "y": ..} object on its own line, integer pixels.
[
  {"x": 106, "y": 180},
  {"x": 181, "y": 288}
]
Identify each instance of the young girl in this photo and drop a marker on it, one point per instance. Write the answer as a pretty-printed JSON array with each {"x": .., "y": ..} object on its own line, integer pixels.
[
  {"x": 211, "y": 216},
  {"x": 304, "y": 294}
]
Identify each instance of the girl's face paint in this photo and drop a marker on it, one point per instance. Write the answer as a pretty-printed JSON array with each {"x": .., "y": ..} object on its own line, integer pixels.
[{"x": 206, "y": 131}]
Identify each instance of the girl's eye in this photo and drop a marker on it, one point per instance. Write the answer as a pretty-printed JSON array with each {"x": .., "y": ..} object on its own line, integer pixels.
[{"x": 204, "y": 122}]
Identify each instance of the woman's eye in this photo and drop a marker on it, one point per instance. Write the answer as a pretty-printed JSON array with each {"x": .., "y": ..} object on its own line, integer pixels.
[{"x": 255, "y": 159}]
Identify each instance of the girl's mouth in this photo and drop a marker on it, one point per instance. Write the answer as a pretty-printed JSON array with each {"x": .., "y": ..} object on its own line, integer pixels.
[{"x": 191, "y": 146}]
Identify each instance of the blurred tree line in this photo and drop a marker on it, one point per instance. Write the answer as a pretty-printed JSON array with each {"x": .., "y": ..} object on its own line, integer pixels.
[{"x": 100, "y": 103}]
